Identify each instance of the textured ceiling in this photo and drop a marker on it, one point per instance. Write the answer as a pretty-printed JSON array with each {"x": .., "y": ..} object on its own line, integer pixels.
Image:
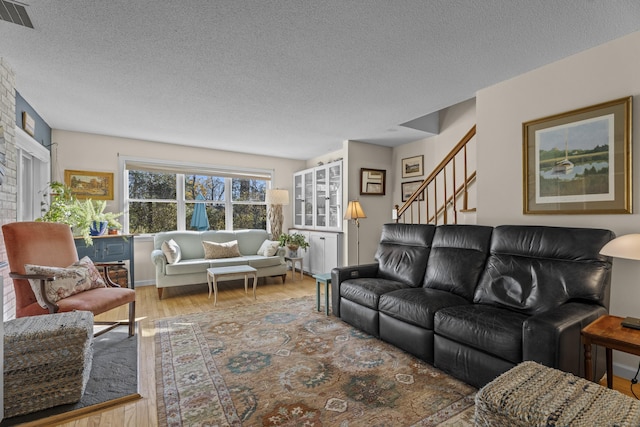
[{"x": 287, "y": 78}]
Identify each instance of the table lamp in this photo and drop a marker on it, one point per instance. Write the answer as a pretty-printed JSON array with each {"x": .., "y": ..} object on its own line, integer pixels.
[
  {"x": 276, "y": 198},
  {"x": 354, "y": 211},
  {"x": 628, "y": 247}
]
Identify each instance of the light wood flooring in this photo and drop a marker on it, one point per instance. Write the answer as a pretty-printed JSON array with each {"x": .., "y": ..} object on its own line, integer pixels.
[{"x": 185, "y": 300}]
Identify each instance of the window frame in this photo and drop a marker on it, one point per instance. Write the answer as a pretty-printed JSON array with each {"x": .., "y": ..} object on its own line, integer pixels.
[{"x": 181, "y": 169}]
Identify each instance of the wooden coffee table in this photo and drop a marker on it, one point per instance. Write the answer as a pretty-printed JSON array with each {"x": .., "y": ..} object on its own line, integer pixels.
[
  {"x": 607, "y": 332},
  {"x": 215, "y": 273}
]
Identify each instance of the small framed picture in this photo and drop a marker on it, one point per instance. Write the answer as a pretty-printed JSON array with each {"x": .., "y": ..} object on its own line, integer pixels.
[
  {"x": 413, "y": 166},
  {"x": 28, "y": 124},
  {"x": 408, "y": 188},
  {"x": 372, "y": 182}
]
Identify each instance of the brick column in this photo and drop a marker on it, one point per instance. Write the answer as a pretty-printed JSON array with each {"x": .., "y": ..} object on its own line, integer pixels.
[{"x": 8, "y": 196}]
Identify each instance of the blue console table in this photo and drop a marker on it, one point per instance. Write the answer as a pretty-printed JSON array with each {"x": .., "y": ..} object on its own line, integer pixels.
[{"x": 109, "y": 248}]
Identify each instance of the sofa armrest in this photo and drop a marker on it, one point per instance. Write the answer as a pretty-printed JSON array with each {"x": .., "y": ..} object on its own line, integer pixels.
[
  {"x": 160, "y": 261},
  {"x": 340, "y": 274},
  {"x": 553, "y": 338}
]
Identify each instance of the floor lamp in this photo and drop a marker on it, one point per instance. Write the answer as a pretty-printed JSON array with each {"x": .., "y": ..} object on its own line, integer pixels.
[
  {"x": 354, "y": 211},
  {"x": 276, "y": 199},
  {"x": 628, "y": 247}
]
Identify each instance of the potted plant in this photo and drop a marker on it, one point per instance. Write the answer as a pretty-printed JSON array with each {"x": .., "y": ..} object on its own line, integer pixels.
[
  {"x": 294, "y": 242},
  {"x": 65, "y": 208},
  {"x": 96, "y": 219}
]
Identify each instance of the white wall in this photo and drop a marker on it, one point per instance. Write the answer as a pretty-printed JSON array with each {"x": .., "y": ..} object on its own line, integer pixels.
[
  {"x": 600, "y": 74},
  {"x": 377, "y": 208},
  {"x": 84, "y": 151}
]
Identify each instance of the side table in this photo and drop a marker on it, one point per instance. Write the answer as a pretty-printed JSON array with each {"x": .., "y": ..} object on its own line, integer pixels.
[
  {"x": 326, "y": 279},
  {"x": 294, "y": 261},
  {"x": 608, "y": 332}
]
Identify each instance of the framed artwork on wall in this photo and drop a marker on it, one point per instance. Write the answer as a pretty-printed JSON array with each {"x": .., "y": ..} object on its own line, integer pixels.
[
  {"x": 28, "y": 124},
  {"x": 579, "y": 162},
  {"x": 408, "y": 188},
  {"x": 413, "y": 166},
  {"x": 372, "y": 182},
  {"x": 90, "y": 185}
]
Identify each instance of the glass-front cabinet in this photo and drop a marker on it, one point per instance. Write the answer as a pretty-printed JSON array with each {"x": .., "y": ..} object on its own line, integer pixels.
[
  {"x": 318, "y": 197},
  {"x": 303, "y": 199}
]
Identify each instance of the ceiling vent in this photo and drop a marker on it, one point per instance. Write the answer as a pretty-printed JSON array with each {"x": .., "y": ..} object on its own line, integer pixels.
[{"x": 14, "y": 12}]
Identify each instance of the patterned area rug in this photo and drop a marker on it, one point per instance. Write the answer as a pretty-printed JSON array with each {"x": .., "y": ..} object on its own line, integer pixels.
[{"x": 284, "y": 364}]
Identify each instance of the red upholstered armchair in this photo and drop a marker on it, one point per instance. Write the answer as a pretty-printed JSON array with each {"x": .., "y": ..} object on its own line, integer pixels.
[{"x": 52, "y": 245}]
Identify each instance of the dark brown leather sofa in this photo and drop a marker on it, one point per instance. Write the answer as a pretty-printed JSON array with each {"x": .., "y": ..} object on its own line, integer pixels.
[{"x": 476, "y": 300}]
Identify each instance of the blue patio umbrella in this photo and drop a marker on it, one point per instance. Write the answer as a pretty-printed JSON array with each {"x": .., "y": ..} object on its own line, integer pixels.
[{"x": 199, "y": 219}]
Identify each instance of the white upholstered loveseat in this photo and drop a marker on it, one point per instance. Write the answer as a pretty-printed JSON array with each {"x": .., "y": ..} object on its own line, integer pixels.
[{"x": 191, "y": 268}]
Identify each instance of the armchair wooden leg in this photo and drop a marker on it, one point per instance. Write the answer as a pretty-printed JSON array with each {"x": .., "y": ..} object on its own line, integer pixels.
[{"x": 132, "y": 318}]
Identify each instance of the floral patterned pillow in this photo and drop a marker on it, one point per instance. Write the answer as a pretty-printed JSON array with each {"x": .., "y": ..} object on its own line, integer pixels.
[{"x": 78, "y": 277}]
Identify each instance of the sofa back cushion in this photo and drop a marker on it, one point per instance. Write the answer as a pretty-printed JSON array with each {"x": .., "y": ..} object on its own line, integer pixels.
[
  {"x": 190, "y": 242},
  {"x": 532, "y": 269},
  {"x": 403, "y": 252},
  {"x": 457, "y": 258}
]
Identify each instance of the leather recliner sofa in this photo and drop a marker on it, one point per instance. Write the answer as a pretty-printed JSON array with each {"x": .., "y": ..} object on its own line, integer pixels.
[{"x": 476, "y": 300}]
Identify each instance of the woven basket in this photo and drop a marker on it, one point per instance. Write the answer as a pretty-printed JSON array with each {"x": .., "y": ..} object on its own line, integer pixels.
[
  {"x": 531, "y": 394},
  {"x": 47, "y": 361}
]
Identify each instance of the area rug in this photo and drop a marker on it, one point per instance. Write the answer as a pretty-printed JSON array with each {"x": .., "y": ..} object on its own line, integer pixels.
[
  {"x": 284, "y": 364},
  {"x": 113, "y": 380}
]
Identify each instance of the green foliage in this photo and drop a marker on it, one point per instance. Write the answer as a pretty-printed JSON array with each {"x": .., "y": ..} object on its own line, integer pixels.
[
  {"x": 65, "y": 208},
  {"x": 293, "y": 241}
]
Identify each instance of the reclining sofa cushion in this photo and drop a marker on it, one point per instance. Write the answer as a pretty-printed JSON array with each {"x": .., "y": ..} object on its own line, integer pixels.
[
  {"x": 457, "y": 258},
  {"x": 417, "y": 306},
  {"x": 491, "y": 329},
  {"x": 367, "y": 292},
  {"x": 532, "y": 269},
  {"x": 403, "y": 252},
  {"x": 456, "y": 261}
]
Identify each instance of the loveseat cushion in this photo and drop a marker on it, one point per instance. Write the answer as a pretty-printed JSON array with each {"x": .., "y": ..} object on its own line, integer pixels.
[
  {"x": 494, "y": 330},
  {"x": 533, "y": 269},
  {"x": 403, "y": 252},
  {"x": 367, "y": 291},
  {"x": 417, "y": 305},
  {"x": 187, "y": 266},
  {"x": 457, "y": 258},
  {"x": 258, "y": 261}
]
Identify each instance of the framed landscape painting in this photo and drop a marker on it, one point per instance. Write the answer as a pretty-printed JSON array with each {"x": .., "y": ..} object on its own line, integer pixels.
[
  {"x": 90, "y": 185},
  {"x": 413, "y": 166},
  {"x": 579, "y": 162}
]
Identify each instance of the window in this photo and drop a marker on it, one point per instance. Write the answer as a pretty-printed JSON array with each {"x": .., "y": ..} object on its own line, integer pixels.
[{"x": 162, "y": 197}]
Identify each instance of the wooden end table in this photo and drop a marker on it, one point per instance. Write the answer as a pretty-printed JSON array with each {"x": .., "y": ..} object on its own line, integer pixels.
[{"x": 608, "y": 332}]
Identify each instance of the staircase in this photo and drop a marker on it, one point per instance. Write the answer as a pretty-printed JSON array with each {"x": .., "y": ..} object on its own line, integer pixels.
[{"x": 444, "y": 194}]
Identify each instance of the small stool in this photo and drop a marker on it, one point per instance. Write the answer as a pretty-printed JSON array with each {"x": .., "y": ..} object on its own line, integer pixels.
[
  {"x": 326, "y": 279},
  {"x": 293, "y": 261}
]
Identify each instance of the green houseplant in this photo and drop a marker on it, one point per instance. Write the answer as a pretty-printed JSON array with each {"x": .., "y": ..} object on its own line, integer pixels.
[
  {"x": 293, "y": 241},
  {"x": 65, "y": 208}
]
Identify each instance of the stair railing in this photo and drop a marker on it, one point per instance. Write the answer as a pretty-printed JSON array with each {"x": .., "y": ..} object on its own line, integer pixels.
[{"x": 440, "y": 204}]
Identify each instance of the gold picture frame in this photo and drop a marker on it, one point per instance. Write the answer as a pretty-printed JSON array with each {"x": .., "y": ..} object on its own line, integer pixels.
[
  {"x": 413, "y": 166},
  {"x": 372, "y": 182},
  {"x": 90, "y": 185},
  {"x": 579, "y": 162},
  {"x": 28, "y": 124}
]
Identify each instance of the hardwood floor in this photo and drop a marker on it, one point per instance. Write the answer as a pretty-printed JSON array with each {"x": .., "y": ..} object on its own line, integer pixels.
[{"x": 185, "y": 300}]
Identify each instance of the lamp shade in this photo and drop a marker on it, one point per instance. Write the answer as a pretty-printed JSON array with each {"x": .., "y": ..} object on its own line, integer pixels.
[
  {"x": 277, "y": 197},
  {"x": 627, "y": 246},
  {"x": 354, "y": 210}
]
